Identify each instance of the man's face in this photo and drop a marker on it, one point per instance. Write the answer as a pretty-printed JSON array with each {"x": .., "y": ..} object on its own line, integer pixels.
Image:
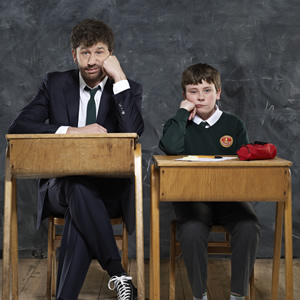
[
  {"x": 90, "y": 60},
  {"x": 204, "y": 96}
]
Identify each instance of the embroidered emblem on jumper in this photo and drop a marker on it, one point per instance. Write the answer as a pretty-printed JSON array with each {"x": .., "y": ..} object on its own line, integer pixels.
[{"x": 226, "y": 141}]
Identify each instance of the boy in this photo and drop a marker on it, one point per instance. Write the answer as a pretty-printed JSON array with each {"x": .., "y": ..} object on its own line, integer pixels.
[{"x": 201, "y": 128}]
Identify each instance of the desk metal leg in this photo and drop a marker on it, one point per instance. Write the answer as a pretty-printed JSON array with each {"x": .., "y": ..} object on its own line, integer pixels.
[
  {"x": 154, "y": 237},
  {"x": 139, "y": 223},
  {"x": 277, "y": 249},
  {"x": 288, "y": 242}
]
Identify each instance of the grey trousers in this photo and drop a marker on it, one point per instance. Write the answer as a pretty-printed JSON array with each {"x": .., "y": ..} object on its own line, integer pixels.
[{"x": 194, "y": 224}]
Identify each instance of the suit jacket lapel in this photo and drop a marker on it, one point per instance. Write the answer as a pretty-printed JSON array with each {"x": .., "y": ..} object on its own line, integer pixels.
[
  {"x": 71, "y": 94},
  {"x": 106, "y": 102}
]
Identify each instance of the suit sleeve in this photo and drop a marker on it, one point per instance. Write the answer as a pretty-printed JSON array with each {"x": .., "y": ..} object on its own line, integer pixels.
[
  {"x": 33, "y": 117},
  {"x": 129, "y": 109}
]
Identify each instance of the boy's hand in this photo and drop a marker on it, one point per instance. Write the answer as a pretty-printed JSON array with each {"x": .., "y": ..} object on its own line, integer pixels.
[
  {"x": 189, "y": 106},
  {"x": 112, "y": 68}
]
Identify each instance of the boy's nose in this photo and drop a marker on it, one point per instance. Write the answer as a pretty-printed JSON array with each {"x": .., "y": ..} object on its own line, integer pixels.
[{"x": 200, "y": 96}]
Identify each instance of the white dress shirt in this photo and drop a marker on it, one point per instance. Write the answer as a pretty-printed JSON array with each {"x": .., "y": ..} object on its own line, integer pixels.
[{"x": 84, "y": 95}]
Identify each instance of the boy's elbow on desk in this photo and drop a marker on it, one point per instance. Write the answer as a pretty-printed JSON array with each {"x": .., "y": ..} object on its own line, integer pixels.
[{"x": 170, "y": 149}]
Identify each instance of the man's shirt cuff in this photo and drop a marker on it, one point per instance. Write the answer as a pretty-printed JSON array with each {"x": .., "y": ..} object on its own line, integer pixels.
[
  {"x": 120, "y": 86},
  {"x": 62, "y": 130}
]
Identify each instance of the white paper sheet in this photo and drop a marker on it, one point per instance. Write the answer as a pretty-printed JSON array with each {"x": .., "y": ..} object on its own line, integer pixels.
[{"x": 213, "y": 158}]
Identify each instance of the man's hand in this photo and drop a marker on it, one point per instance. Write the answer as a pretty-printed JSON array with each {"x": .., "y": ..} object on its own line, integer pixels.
[
  {"x": 189, "y": 106},
  {"x": 112, "y": 68},
  {"x": 89, "y": 129}
]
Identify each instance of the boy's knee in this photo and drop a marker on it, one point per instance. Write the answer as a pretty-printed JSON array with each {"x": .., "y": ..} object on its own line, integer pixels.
[
  {"x": 192, "y": 231},
  {"x": 250, "y": 229}
]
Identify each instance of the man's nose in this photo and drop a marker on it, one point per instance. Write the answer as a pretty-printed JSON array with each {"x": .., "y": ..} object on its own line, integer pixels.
[{"x": 91, "y": 60}]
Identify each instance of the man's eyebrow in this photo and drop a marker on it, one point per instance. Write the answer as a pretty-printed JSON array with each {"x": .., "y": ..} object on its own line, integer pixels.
[{"x": 87, "y": 48}]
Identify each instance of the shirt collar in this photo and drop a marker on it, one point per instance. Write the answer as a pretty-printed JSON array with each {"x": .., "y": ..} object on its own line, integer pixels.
[
  {"x": 82, "y": 83},
  {"x": 211, "y": 120}
]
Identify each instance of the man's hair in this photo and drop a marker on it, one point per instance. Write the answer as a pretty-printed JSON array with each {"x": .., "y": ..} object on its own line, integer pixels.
[
  {"x": 90, "y": 32},
  {"x": 195, "y": 74}
]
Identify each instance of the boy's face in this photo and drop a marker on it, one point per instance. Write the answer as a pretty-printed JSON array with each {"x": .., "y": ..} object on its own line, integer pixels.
[
  {"x": 204, "y": 96},
  {"x": 90, "y": 60}
]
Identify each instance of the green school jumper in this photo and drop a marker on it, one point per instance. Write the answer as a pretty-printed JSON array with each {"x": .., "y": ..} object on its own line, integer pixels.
[{"x": 181, "y": 136}]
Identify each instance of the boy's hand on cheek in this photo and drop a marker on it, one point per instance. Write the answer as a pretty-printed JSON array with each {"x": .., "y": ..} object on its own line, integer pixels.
[{"x": 189, "y": 106}]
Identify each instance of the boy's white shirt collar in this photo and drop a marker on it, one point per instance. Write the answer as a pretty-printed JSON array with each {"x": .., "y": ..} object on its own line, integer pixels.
[{"x": 211, "y": 120}]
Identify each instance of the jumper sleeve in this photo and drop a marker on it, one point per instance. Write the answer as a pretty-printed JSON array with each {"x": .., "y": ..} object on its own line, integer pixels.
[{"x": 172, "y": 141}]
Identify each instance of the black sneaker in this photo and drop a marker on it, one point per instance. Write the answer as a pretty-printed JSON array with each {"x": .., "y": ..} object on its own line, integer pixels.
[{"x": 123, "y": 284}]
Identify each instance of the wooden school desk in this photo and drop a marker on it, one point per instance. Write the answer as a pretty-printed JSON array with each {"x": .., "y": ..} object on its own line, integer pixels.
[
  {"x": 231, "y": 180},
  {"x": 57, "y": 155}
]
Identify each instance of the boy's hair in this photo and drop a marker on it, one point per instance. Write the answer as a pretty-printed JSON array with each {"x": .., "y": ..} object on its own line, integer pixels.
[
  {"x": 197, "y": 73},
  {"x": 91, "y": 31}
]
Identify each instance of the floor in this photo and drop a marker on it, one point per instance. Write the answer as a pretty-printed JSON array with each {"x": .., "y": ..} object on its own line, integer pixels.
[{"x": 32, "y": 280}]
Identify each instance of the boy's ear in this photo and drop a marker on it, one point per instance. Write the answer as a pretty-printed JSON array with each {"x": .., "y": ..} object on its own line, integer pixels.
[
  {"x": 183, "y": 94},
  {"x": 218, "y": 94}
]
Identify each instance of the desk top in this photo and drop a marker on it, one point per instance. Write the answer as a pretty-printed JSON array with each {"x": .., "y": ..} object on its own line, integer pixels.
[
  {"x": 68, "y": 136},
  {"x": 226, "y": 180},
  {"x": 56, "y": 155},
  {"x": 169, "y": 161}
]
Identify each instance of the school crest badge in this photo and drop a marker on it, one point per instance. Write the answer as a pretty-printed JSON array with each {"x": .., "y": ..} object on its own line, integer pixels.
[{"x": 226, "y": 141}]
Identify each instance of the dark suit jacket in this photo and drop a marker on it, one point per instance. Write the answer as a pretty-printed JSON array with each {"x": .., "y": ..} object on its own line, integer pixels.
[{"x": 56, "y": 104}]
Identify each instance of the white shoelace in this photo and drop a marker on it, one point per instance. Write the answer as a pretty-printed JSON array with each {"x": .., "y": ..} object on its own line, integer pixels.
[{"x": 121, "y": 284}]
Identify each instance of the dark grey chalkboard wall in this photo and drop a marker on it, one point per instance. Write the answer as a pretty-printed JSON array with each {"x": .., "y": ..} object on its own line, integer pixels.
[{"x": 255, "y": 45}]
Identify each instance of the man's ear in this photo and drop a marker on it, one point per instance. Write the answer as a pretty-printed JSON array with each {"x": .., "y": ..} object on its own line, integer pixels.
[{"x": 74, "y": 55}]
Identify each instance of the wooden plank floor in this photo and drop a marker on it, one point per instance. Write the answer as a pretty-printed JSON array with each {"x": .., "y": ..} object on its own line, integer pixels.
[{"x": 32, "y": 280}]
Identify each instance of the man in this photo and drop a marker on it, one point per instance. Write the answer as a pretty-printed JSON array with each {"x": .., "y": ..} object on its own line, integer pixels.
[{"x": 95, "y": 98}]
